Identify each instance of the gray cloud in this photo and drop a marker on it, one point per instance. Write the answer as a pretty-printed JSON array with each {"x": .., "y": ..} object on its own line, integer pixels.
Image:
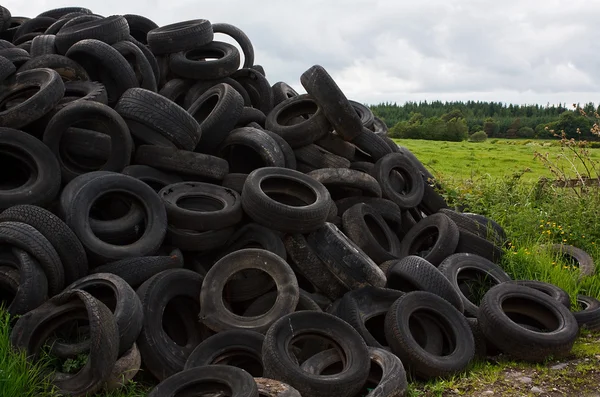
[{"x": 534, "y": 51}]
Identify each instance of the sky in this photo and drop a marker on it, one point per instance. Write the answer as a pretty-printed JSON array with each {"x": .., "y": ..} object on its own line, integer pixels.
[{"x": 512, "y": 51}]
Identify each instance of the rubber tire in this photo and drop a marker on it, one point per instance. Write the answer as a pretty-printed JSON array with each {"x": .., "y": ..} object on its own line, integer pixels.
[
  {"x": 180, "y": 36},
  {"x": 518, "y": 341},
  {"x": 414, "y": 273},
  {"x": 437, "y": 226},
  {"x": 589, "y": 317},
  {"x": 450, "y": 321},
  {"x": 216, "y": 316},
  {"x": 109, "y": 30},
  {"x": 585, "y": 261},
  {"x": 139, "y": 26},
  {"x": 278, "y": 363},
  {"x": 241, "y": 38},
  {"x": 31, "y": 289},
  {"x": 154, "y": 178},
  {"x": 396, "y": 161},
  {"x": 344, "y": 258},
  {"x": 191, "y": 64},
  {"x": 334, "y": 178},
  {"x": 454, "y": 264},
  {"x": 549, "y": 289},
  {"x": 278, "y": 215}
]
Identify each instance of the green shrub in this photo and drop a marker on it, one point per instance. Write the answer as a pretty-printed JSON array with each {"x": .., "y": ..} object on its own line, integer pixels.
[
  {"x": 525, "y": 132},
  {"x": 479, "y": 136}
]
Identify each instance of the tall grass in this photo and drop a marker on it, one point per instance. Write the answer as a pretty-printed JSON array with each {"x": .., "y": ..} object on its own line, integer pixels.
[{"x": 20, "y": 377}]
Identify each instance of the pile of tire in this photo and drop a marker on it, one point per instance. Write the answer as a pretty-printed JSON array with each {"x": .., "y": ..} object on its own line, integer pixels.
[{"x": 168, "y": 209}]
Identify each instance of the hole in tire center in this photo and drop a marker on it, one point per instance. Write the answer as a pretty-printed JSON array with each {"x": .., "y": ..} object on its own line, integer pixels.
[
  {"x": 376, "y": 326},
  {"x": 174, "y": 324},
  {"x": 297, "y": 113},
  {"x": 206, "y": 108},
  {"x": 287, "y": 191},
  {"x": 203, "y": 54},
  {"x": 241, "y": 359},
  {"x": 375, "y": 376},
  {"x": 423, "y": 319},
  {"x": 21, "y": 165},
  {"x": 424, "y": 242},
  {"x": 305, "y": 346},
  {"x": 400, "y": 180},
  {"x": 244, "y": 287},
  {"x": 474, "y": 283},
  {"x": 530, "y": 312},
  {"x": 206, "y": 389},
  {"x": 86, "y": 145},
  {"x": 200, "y": 203},
  {"x": 377, "y": 231},
  {"x": 16, "y": 96}
]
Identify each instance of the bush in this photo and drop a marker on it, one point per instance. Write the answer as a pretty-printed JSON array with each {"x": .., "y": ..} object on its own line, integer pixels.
[
  {"x": 525, "y": 132},
  {"x": 479, "y": 136}
]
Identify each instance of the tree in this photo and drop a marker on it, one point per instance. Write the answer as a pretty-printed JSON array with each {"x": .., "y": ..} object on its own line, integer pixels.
[
  {"x": 479, "y": 136},
  {"x": 456, "y": 130},
  {"x": 525, "y": 132},
  {"x": 490, "y": 127}
]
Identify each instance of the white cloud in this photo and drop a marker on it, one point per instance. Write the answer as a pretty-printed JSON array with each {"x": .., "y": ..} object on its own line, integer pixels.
[{"x": 394, "y": 50}]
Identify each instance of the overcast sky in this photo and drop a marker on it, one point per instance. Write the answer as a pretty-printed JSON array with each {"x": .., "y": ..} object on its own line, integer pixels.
[{"x": 516, "y": 51}]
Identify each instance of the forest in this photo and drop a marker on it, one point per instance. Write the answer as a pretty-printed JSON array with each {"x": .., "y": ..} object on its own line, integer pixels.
[{"x": 457, "y": 121}]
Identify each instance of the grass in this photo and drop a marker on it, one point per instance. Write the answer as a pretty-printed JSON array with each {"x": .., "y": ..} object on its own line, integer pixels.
[{"x": 495, "y": 158}]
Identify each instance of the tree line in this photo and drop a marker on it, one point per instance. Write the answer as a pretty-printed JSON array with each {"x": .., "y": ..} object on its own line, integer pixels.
[{"x": 457, "y": 121}]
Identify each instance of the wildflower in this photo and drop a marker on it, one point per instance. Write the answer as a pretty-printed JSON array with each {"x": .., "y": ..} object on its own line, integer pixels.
[
  {"x": 564, "y": 240},
  {"x": 582, "y": 236},
  {"x": 554, "y": 263},
  {"x": 514, "y": 253}
]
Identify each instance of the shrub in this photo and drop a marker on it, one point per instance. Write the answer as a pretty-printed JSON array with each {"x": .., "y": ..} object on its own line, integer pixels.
[{"x": 479, "y": 136}]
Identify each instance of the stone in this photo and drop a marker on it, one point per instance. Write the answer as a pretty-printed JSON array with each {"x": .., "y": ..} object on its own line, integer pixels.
[
  {"x": 536, "y": 390},
  {"x": 525, "y": 379},
  {"x": 559, "y": 366}
]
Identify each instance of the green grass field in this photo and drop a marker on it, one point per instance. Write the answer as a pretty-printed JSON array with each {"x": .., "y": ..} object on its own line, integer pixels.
[{"x": 496, "y": 158}]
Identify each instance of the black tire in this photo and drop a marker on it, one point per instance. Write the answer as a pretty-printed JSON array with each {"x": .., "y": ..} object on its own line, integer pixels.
[
  {"x": 4, "y": 18},
  {"x": 217, "y": 111},
  {"x": 474, "y": 268},
  {"x": 344, "y": 258},
  {"x": 43, "y": 45},
  {"x": 241, "y": 38},
  {"x": 287, "y": 120},
  {"x": 247, "y": 149},
  {"x": 105, "y": 64},
  {"x": 35, "y": 170},
  {"x": 176, "y": 90},
  {"x": 434, "y": 238},
  {"x": 386, "y": 378},
  {"x": 364, "y": 113},
  {"x": 109, "y": 30},
  {"x": 6, "y": 68},
  {"x": 481, "y": 345},
  {"x": 201, "y": 86},
  {"x": 118, "y": 296},
  {"x": 104, "y": 117},
  {"x": 140, "y": 64},
  {"x": 252, "y": 235},
  {"x": 372, "y": 144},
  {"x": 279, "y": 364},
  {"x": 49, "y": 90},
  {"x": 234, "y": 181},
  {"x": 216, "y": 316},
  {"x": 258, "y": 88},
  {"x": 68, "y": 69},
  {"x": 150, "y": 57},
  {"x": 31, "y": 288},
  {"x": 281, "y": 92},
  {"x": 250, "y": 115},
  {"x": 271, "y": 197},
  {"x": 64, "y": 241},
  {"x": 335, "y": 178},
  {"x": 201, "y": 206},
  {"x": 432, "y": 201},
  {"x": 450, "y": 321},
  {"x": 18, "y": 56},
  {"x": 135, "y": 271},
  {"x": 171, "y": 294},
  {"x": 33, "y": 25},
  {"x": 472, "y": 226},
  {"x": 473, "y": 244},
  {"x": 155, "y": 217},
  {"x": 262, "y": 304},
  {"x": 365, "y": 309},
  {"x": 286, "y": 149},
  {"x": 414, "y": 185},
  {"x": 506, "y": 303},
  {"x": 151, "y": 176},
  {"x": 317, "y": 157},
  {"x": 193, "y": 241},
  {"x": 213, "y": 379},
  {"x": 488, "y": 223},
  {"x": 156, "y": 120},
  {"x": 583, "y": 260},
  {"x": 305, "y": 261},
  {"x": 588, "y": 317},
  {"x": 58, "y": 13},
  {"x": 549, "y": 289},
  {"x": 182, "y": 162},
  {"x": 139, "y": 26},
  {"x": 367, "y": 229},
  {"x": 336, "y": 145},
  {"x": 336, "y": 107},
  {"x": 180, "y": 36},
  {"x": 191, "y": 64},
  {"x": 238, "y": 348},
  {"x": 414, "y": 273}
]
